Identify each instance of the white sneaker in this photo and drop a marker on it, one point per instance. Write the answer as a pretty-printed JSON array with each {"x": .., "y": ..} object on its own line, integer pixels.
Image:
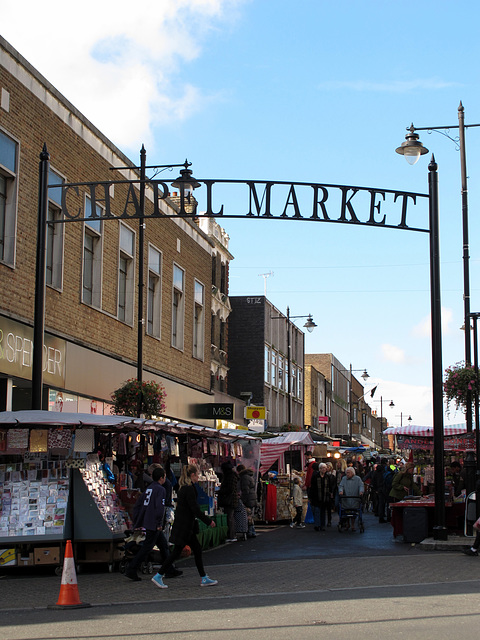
[
  {"x": 231, "y": 540},
  {"x": 291, "y": 525}
]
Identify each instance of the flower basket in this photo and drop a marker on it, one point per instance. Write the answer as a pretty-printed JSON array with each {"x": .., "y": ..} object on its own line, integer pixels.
[
  {"x": 459, "y": 381},
  {"x": 132, "y": 395}
]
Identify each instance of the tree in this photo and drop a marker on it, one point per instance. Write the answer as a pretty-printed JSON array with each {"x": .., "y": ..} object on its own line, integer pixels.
[{"x": 133, "y": 395}]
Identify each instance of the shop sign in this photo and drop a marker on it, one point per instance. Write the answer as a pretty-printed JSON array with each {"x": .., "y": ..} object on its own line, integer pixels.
[
  {"x": 215, "y": 411},
  {"x": 464, "y": 442},
  {"x": 16, "y": 353},
  {"x": 405, "y": 442},
  {"x": 253, "y": 412}
]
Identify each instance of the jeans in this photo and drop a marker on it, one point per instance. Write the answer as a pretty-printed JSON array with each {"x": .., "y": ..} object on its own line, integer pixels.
[
  {"x": 319, "y": 515},
  {"x": 298, "y": 515},
  {"x": 144, "y": 551}
]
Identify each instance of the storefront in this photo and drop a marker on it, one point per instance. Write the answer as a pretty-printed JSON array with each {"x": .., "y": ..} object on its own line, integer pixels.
[{"x": 71, "y": 476}]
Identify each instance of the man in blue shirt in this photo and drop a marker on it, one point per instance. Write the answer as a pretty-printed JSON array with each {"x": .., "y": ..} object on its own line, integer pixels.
[{"x": 149, "y": 515}]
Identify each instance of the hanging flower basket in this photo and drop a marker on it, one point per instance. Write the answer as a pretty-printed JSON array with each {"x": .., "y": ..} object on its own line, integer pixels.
[
  {"x": 459, "y": 380},
  {"x": 126, "y": 400}
]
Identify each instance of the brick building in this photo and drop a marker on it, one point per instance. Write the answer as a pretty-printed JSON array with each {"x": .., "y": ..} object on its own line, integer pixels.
[{"x": 91, "y": 297}]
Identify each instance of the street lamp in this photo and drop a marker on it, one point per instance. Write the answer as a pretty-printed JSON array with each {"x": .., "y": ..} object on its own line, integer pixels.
[
  {"x": 309, "y": 326},
  {"x": 185, "y": 182},
  {"x": 365, "y": 377},
  {"x": 401, "y": 419},
  {"x": 412, "y": 149}
]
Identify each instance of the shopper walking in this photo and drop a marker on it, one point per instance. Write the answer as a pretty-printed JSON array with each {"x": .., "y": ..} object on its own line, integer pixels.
[
  {"x": 248, "y": 495},
  {"x": 185, "y": 528},
  {"x": 298, "y": 505},
  {"x": 228, "y": 497},
  {"x": 149, "y": 515}
]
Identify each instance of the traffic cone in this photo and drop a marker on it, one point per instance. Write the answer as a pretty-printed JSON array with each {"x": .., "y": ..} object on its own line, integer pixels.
[{"x": 69, "y": 598}]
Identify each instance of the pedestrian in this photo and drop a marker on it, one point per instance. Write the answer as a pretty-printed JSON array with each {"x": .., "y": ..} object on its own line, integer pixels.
[
  {"x": 403, "y": 484},
  {"x": 458, "y": 477},
  {"x": 321, "y": 494},
  {"x": 378, "y": 488},
  {"x": 351, "y": 488},
  {"x": 298, "y": 504},
  {"x": 149, "y": 514},
  {"x": 185, "y": 528},
  {"x": 248, "y": 495},
  {"x": 473, "y": 550},
  {"x": 333, "y": 482},
  {"x": 228, "y": 497}
]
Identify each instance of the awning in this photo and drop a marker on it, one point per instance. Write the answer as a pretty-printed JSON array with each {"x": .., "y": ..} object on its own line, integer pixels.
[
  {"x": 32, "y": 419},
  {"x": 425, "y": 432},
  {"x": 272, "y": 449}
]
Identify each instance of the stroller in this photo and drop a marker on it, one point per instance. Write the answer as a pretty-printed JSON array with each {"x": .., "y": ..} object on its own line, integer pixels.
[
  {"x": 354, "y": 510},
  {"x": 132, "y": 542}
]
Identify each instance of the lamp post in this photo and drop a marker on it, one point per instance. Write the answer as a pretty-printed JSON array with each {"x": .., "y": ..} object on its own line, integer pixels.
[
  {"x": 309, "y": 326},
  {"x": 412, "y": 149},
  {"x": 401, "y": 419},
  {"x": 475, "y": 317},
  {"x": 185, "y": 182},
  {"x": 381, "y": 417},
  {"x": 365, "y": 377}
]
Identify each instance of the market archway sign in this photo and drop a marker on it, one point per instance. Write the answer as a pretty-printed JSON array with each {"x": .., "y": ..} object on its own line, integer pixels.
[{"x": 250, "y": 199}]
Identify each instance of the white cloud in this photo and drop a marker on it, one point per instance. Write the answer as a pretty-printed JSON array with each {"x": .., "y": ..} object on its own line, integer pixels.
[
  {"x": 423, "y": 328},
  {"x": 121, "y": 64},
  {"x": 391, "y": 353}
]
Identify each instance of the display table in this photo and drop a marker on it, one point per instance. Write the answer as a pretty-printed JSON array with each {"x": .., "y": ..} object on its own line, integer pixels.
[{"x": 454, "y": 514}]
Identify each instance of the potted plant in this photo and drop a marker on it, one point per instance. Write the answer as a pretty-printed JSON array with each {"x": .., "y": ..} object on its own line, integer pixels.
[
  {"x": 459, "y": 380},
  {"x": 134, "y": 397}
]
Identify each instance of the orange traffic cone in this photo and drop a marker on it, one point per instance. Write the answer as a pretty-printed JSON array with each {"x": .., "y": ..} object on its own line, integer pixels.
[{"x": 69, "y": 598}]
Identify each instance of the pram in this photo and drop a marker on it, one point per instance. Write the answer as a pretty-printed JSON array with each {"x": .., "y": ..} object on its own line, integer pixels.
[
  {"x": 132, "y": 542},
  {"x": 346, "y": 513}
]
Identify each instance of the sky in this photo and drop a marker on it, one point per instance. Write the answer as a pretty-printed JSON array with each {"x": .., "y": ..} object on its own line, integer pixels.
[{"x": 307, "y": 91}]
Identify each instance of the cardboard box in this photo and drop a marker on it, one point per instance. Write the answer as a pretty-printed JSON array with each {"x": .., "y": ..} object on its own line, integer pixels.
[
  {"x": 25, "y": 560},
  {"x": 7, "y": 557},
  {"x": 98, "y": 552},
  {"x": 47, "y": 555}
]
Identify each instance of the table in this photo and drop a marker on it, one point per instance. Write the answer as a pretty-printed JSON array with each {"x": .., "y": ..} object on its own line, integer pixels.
[{"x": 454, "y": 514}]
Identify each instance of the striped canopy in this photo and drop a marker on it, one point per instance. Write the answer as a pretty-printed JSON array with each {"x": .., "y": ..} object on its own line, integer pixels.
[
  {"x": 425, "y": 432},
  {"x": 272, "y": 449}
]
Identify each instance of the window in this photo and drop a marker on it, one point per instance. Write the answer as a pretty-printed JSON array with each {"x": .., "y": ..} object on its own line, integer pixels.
[
  {"x": 154, "y": 299},
  {"x": 198, "y": 320},
  {"x": 223, "y": 278},
  {"x": 54, "y": 233},
  {"x": 212, "y": 330},
  {"x": 214, "y": 270},
  {"x": 273, "y": 368},
  {"x": 293, "y": 381},
  {"x": 126, "y": 274},
  {"x": 223, "y": 333},
  {"x": 266, "y": 365},
  {"x": 92, "y": 255},
  {"x": 178, "y": 306},
  {"x": 299, "y": 380},
  {"x": 280, "y": 372},
  {"x": 8, "y": 197}
]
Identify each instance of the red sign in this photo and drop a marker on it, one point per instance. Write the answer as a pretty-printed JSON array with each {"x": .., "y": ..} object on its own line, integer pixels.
[
  {"x": 335, "y": 443},
  {"x": 322, "y": 419}
]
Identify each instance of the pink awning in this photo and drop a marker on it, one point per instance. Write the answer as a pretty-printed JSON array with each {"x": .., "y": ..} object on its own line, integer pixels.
[{"x": 269, "y": 453}]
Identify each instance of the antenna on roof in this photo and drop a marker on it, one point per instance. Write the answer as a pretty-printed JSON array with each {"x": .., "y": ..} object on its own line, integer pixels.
[{"x": 265, "y": 276}]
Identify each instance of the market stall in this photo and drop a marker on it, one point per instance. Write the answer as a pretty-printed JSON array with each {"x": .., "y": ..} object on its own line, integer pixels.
[
  {"x": 66, "y": 476},
  {"x": 416, "y": 444},
  {"x": 281, "y": 459}
]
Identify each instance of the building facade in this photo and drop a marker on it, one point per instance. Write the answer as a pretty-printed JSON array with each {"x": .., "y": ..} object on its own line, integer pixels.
[
  {"x": 92, "y": 265},
  {"x": 266, "y": 358}
]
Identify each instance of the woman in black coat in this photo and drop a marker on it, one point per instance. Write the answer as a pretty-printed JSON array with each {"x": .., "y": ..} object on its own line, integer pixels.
[
  {"x": 228, "y": 497},
  {"x": 185, "y": 528},
  {"x": 248, "y": 495}
]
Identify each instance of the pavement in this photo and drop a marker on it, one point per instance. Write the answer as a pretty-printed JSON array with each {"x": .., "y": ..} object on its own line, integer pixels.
[{"x": 278, "y": 560}]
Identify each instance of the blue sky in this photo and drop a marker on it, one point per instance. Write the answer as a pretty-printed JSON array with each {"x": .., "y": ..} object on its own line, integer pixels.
[{"x": 310, "y": 91}]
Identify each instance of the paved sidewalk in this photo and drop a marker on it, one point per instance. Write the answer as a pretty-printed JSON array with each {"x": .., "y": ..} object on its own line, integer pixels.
[{"x": 279, "y": 560}]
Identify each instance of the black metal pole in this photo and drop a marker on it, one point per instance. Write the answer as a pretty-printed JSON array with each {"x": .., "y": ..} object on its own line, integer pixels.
[
  {"x": 439, "y": 530},
  {"x": 477, "y": 417},
  {"x": 289, "y": 364},
  {"x": 39, "y": 311},
  {"x": 466, "y": 257},
  {"x": 141, "y": 251}
]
